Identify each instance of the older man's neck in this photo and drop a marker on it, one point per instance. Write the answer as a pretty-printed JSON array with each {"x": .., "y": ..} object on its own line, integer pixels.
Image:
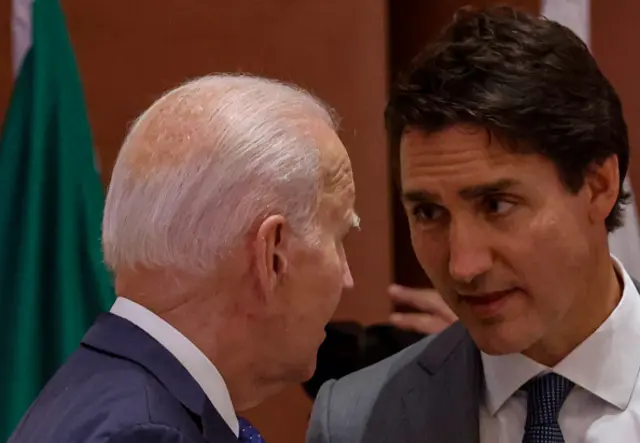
[
  {"x": 215, "y": 324},
  {"x": 247, "y": 393},
  {"x": 223, "y": 337}
]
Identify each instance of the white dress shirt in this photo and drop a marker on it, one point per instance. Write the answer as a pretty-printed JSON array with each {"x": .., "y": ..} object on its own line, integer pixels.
[
  {"x": 604, "y": 405},
  {"x": 193, "y": 360}
]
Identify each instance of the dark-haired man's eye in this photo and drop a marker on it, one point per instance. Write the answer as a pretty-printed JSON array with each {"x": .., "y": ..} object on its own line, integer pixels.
[
  {"x": 427, "y": 212},
  {"x": 497, "y": 206}
]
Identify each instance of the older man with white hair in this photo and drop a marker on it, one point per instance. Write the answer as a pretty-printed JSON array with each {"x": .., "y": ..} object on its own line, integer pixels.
[{"x": 224, "y": 227}]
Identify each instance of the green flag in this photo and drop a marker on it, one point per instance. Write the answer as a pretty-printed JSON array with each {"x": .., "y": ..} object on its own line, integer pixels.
[{"x": 52, "y": 278}]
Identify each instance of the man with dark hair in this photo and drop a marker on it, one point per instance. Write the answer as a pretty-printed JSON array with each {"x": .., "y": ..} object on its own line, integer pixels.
[{"x": 513, "y": 149}]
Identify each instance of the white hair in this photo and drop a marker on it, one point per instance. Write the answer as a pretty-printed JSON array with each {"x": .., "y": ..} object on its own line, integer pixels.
[{"x": 204, "y": 163}]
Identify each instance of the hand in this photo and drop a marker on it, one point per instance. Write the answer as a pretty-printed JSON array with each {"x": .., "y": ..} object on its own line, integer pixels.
[{"x": 434, "y": 315}]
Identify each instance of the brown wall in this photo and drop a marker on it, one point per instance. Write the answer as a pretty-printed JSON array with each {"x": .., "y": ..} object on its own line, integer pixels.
[
  {"x": 338, "y": 49},
  {"x": 614, "y": 42},
  {"x": 128, "y": 55},
  {"x": 334, "y": 48}
]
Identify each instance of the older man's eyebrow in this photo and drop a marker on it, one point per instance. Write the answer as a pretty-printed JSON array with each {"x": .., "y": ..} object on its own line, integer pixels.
[{"x": 355, "y": 220}]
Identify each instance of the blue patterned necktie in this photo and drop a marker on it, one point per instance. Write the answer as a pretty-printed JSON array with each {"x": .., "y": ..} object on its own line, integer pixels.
[
  {"x": 545, "y": 396},
  {"x": 248, "y": 434}
]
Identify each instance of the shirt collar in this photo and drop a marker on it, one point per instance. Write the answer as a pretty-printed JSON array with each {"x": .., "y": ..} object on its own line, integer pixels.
[
  {"x": 194, "y": 361},
  {"x": 602, "y": 364}
]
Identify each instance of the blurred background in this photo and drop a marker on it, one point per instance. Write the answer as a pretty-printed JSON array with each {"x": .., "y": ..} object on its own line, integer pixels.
[{"x": 345, "y": 51}]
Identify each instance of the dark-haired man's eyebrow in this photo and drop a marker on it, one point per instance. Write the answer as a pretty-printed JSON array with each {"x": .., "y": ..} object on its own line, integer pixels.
[
  {"x": 475, "y": 192},
  {"x": 467, "y": 193},
  {"x": 418, "y": 196}
]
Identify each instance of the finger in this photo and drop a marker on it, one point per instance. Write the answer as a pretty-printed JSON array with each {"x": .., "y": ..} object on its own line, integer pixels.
[
  {"x": 411, "y": 294},
  {"x": 396, "y": 289},
  {"x": 422, "y": 323},
  {"x": 427, "y": 300}
]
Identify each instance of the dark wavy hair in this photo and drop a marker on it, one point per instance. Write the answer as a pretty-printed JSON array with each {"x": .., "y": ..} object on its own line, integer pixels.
[{"x": 526, "y": 79}]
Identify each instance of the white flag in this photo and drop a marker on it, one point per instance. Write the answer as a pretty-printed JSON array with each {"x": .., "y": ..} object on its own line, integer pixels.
[{"x": 20, "y": 31}]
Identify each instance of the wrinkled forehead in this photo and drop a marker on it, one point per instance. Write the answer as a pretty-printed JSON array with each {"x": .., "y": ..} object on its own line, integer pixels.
[
  {"x": 334, "y": 163},
  {"x": 336, "y": 176}
]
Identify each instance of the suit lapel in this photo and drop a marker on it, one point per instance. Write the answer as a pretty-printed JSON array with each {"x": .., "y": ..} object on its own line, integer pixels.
[
  {"x": 114, "y": 335},
  {"x": 214, "y": 429},
  {"x": 443, "y": 405}
]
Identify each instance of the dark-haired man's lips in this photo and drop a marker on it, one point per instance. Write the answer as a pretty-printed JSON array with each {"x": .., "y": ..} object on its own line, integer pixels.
[{"x": 487, "y": 304}]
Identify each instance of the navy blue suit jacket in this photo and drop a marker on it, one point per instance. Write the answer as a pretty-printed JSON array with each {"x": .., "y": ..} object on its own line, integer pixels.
[{"x": 121, "y": 386}]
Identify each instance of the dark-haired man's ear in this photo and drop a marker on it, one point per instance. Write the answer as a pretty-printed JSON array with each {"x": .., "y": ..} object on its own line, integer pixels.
[
  {"x": 602, "y": 182},
  {"x": 271, "y": 252}
]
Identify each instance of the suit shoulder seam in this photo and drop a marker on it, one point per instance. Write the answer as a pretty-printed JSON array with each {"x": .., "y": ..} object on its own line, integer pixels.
[{"x": 331, "y": 386}]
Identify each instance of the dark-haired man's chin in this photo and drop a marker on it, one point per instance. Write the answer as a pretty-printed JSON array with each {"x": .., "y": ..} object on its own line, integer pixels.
[{"x": 501, "y": 340}]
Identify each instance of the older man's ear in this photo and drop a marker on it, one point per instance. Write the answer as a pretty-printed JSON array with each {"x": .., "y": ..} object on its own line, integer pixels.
[{"x": 271, "y": 252}]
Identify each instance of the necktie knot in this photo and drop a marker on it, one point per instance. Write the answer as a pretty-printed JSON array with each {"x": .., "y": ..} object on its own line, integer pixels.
[
  {"x": 248, "y": 434},
  {"x": 546, "y": 395}
]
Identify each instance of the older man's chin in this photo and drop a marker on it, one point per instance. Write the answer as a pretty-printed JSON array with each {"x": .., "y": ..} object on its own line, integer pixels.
[{"x": 307, "y": 370}]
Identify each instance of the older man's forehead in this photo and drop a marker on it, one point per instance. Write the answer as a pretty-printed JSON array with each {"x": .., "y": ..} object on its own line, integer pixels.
[{"x": 336, "y": 173}]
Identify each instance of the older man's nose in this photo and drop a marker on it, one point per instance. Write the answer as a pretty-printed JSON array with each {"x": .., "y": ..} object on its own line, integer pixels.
[{"x": 347, "y": 278}]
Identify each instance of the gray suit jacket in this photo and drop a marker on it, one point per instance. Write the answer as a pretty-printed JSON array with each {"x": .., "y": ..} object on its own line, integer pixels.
[{"x": 427, "y": 393}]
